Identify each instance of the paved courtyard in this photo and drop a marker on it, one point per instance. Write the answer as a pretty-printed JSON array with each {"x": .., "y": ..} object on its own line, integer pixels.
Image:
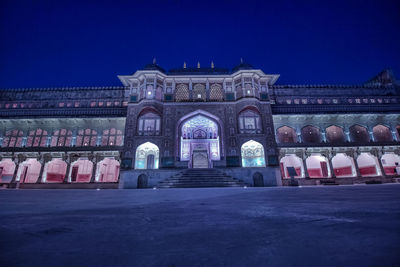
[{"x": 307, "y": 226}]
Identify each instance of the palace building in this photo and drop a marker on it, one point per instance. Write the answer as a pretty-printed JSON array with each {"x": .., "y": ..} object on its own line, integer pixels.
[{"x": 193, "y": 127}]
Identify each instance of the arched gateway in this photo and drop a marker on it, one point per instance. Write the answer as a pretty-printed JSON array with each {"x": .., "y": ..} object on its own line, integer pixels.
[{"x": 199, "y": 139}]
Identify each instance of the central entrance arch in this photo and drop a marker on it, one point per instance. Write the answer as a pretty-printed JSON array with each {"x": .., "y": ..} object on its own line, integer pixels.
[{"x": 199, "y": 139}]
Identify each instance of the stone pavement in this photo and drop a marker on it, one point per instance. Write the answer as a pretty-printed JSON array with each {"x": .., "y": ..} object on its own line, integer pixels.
[{"x": 280, "y": 226}]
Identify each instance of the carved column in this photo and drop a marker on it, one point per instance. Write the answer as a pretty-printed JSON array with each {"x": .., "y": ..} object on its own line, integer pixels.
[
  {"x": 68, "y": 161},
  {"x": 304, "y": 157},
  {"x": 42, "y": 163},
  {"x": 354, "y": 155},
  {"x": 330, "y": 156},
  {"x": 93, "y": 178},
  {"x": 378, "y": 154}
]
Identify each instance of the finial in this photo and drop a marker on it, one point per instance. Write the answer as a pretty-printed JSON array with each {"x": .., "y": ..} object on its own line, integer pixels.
[
  {"x": 198, "y": 64},
  {"x": 154, "y": 61},
  {"x": 184, "y": 64},
  {"x": 241, "y": 60},
  {"x": 212, "y": 64}
]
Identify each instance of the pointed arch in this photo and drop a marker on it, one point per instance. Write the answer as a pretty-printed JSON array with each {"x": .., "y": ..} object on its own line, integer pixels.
[
  {"x": 359, "y": 134},
  {"x": 382, "y": 133},
  {"x": 291, "y": 160},
  {"x": 286, "y": 134},
  {"x": 252, "y": 154},
  {"x": 147, "y": 156},
  {"x": 249, "y": 120},
  {"x": 335, "y": 134},
  {"x": 311, "y": 134}
]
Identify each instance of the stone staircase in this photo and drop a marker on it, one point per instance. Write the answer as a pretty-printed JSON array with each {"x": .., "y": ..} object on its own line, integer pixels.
[{"x": 194, "y": 178}]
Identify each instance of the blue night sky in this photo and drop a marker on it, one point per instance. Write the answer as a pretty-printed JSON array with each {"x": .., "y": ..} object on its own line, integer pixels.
[{"x": 88, "y": 43}]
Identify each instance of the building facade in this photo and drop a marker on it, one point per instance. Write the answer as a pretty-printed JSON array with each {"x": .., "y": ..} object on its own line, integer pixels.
[{"x": 160, "y": 123}]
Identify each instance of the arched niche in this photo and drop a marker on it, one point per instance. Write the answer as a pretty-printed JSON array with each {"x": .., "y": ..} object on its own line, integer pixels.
[
  {"x": 149, "y": 122},
  {"x": 107, "y": 171},
  {"x": 253, "y": 154},
  {"x": 7, "y": 169},
  {"x": 286, "y": 134},
  {"x": 368, "y": 165},
  {"x": 28, "y": 171},
  {"x": 382, "y": 133},
  {"x": 249, "y": 120},
  {"x": 318, "y": 166},
  {"x": 343, "y": 165},
  {"x": 54, "y": 171},
  {"x": 389, "y": 161},
  {"x": 147, "y": 156},
  {"x": 291, "y": 160},
  {"x": 81, "y": 171},
  {"x": 335, "y": 134},
  {"x": 311, "y": 134},
  {"x": 359, "y": 134}
]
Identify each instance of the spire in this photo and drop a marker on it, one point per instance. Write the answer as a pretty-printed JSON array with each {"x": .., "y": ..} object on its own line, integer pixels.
[
  {"x": 184, "y": 64},
  {"x": 212, "y": 64},
  {"x": 198, "y": 64}
]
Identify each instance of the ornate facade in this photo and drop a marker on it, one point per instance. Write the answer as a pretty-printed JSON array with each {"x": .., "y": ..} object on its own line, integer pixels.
[{"x": 237, "y": 121}]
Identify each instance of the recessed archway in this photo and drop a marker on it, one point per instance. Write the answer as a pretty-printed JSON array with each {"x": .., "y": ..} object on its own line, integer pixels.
[
  {"x": 389, "y": 161},
  {"x": 291, "y": 160},
  {"x": 54, "y": 171},
  {"x": 368, "y": 165},
  {"x": 318, "y": 166},
  {"x": 252, "y": 154},
  {"x": 7, "y": 169},
  {"x": 382, "y": 133},
  {"x": 147, "y": 156},
  {"x": 310, "y": 134},
  {"x": 359, "y": 134},
  {"x": 335, "y": 134},
  {"x": 286, "y": 134},
  {"x": 28, "y": 171},
  {"x": 81, "y": 171},
  {"x": 343, "y": 165},
  {"x": 107, "y": 171}
]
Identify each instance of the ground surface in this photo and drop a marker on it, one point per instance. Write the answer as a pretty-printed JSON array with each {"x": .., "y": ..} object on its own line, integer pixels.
[{"x": 307, "y": 226}]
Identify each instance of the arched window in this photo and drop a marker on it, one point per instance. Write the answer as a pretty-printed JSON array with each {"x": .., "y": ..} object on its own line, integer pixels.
[
  {"x": 382, "y": 133},
  {"x": 334, "y": 134},
  {"x": 253, "y": 154},
  {"x": 182, "y": 92},
  {"x": 36, "y": 138},
  {"x": 107, "y": 170},
  {"x": 149, "y": 124},
  {"x": 291, "y": 160},
  {"x": 13, "y": 138},
  {"x": 147, "y": 155},
  {"x": 359, "y": 134},
  {"x": 343, "y": 165},
  {"x": 286, "y": 135},
  {"x": 310, "y": 134},
  {"x": 318, "y": 166},
  {"x": 112, "y": 137},
  {"x": 86, "y": 137},
  {"x": 249, "y": 122},
  {"x": 216, "y": 92},
  {"x": 61, "y": 137},
  {"x": 199, "y": 92}
]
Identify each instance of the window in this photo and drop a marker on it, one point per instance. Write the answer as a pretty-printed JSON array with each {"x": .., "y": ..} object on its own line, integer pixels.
[
  {"x": 182, "y": 92},
  {"x": 86, "y": 137},
  {"x": 61, "y": 137},
  {"x": 36, "y": 138},
  {"x": 216, "y": 92},
  {"x": 112, "y": 137},
  {"x": 13, "y": 138},
  {"x": 199, "y": 92},
  {"x": 149, "y": 124},
  {"x": 249, "y": 122}
]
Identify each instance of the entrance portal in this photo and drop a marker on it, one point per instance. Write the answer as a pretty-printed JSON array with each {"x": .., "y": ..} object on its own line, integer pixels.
[{"x": 199, "y": 141}]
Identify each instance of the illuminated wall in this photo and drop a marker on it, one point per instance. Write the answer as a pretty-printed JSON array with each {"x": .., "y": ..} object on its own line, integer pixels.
[
  {"x": 253, "y": 154},
  {"x": 147, "y": 156}
]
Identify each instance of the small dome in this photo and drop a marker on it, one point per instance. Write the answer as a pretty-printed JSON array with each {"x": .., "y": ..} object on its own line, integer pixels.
[{"x": 242, "y": 66}]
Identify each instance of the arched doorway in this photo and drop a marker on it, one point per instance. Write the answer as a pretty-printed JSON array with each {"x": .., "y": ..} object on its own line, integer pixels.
[
  {"x": 343, "y": 165},
  {"x": 253, "y": 154},
  {"x": 28, "y": 171},
  {"x": 389, "y": 161},
  {"x": 368, "y": 165},
  {"x": 199, "y": 141},
  {"x": 107, "y": 171},
  {"x": 291, "y": 160},
  {"x": 54, "y": 171},
  {"x": 318, "y": 166},
  {"x": 147, "y": 156},
  {"x": 7, "y": 168},
  {"x": 81, "y": 171}
]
